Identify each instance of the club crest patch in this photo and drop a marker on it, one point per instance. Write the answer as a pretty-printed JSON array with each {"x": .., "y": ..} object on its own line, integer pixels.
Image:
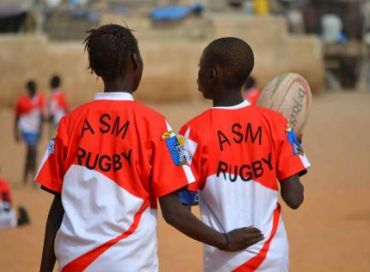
[
  {"x": 51, "y": 146},
  {"x": 293, "y": 140},
  {"x": 175, "y": 146}
]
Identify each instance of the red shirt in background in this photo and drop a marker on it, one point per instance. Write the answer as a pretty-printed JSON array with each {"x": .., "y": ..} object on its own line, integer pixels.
[
  {"x": 5, "y": 192},
  {"x": 30, "y": 109},
  {"x": 252, "y": 95}
]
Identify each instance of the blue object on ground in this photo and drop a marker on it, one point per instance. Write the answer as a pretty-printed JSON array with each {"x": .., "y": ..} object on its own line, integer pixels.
[{"x": 174, "y": 12}]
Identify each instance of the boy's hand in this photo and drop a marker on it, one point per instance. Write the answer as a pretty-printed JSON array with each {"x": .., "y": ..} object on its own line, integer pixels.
[{"x": 239, "y": 239}]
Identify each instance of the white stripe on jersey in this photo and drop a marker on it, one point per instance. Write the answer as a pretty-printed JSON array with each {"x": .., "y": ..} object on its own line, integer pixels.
[
  {"x": 305, "y": 161},
  {"x": 227, "y": 205},
  {"x": 96, "y": 211},
  {"x": 188, "y": 173},
  {"x": 189, "y": 145},
  {"x": 132, "y": 254}
]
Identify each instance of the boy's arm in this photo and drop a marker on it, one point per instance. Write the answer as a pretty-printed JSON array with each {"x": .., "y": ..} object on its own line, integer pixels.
[
  {"x": 292, "y": 191},
  {"x": 52, "y": 226},
  {"x": 180, "y": 217}
]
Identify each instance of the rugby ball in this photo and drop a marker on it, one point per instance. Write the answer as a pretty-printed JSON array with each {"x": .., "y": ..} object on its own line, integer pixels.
[{"x": 290, "y": 95}]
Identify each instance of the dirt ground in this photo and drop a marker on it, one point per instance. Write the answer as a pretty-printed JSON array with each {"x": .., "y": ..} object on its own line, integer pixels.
[{"x": 330, "y": 232}]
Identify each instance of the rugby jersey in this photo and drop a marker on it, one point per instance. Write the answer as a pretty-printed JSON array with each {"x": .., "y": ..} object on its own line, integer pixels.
[
  {"x": 58, "y": 106},
  {"x": 8, "y": 218},
  {"x": 30, "y": 110},
  {"x": 110, "y": 162},
  {"x": 240, "y": 154}
]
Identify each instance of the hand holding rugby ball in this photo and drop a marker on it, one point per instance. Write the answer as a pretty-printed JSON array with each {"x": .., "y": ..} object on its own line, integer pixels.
[{"x": 290, "y": 95}]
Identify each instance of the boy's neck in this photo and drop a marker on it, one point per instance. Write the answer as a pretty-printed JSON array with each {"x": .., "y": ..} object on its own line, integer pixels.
[
  {"x": 228, "y": 98},
  {"x": 118, "y": 85}
]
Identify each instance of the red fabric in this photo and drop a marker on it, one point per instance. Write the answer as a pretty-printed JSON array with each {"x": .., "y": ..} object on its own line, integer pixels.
[
  {"x": 60, "y": 100},
  {"x": 25, "y": 104},
  {"x": 5, "y": 191},
  {"x": 103, "y": 129},
  {"x": 252, "y": 95},
  {"x": 249, "y": 135}
]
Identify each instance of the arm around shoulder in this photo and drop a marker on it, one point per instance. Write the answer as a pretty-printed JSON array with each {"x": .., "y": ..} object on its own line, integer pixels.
[{"x": 180, "y": 217}]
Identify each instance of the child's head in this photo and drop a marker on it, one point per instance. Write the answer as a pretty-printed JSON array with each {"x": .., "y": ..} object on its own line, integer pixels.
[
  {"x": 31, "y": 87},
  {"x": 224, "y": 66},
  {"x": 55, "y": 82},
  {"x": 114, "y": 54}
]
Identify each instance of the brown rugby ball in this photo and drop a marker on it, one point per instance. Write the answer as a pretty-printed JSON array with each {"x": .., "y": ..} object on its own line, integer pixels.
[{"x": 290, "y": 95}]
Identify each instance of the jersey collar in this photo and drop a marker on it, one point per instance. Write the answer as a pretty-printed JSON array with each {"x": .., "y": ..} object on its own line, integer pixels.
[
  {"x": 114, "y": 96},
  {"x": 245, "y": 103}
]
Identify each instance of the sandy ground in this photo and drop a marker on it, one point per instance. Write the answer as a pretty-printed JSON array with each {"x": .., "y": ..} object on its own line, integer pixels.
[{"x": 330, "y": 232}]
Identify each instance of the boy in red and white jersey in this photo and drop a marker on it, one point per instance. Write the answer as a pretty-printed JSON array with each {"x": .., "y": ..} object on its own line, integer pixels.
[
  {"x": 241, "y": 154},
  {"x": 57, "y": 104},
  {"x": 109, "y": 162},
  {"x": 8, "y": 217},
  {"x": 29, "y": 112}
]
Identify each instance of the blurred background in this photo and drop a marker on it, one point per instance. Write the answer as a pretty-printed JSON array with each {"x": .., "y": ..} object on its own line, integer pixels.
[
  {"x": 326, "y": 41},
  {"x": 330, "y": 38}
]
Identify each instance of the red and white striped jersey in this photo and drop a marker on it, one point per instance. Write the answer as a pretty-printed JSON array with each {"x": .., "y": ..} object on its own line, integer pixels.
[
  {"x": 58, "y": 106},
  {"x": 30, "y": 110},
  {"x": 240, "y": 154},
  {"x": 110, "y": 163}
]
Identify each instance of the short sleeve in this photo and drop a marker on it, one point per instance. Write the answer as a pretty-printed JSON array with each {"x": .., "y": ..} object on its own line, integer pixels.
[
  {"x": 291, "y": 157},
  {"x": 52, "y": 168},
  {"x": 170, "y": 171}
]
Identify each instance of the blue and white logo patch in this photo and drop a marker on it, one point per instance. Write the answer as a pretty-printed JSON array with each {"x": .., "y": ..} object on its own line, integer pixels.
[
  {"x": 175, "y": 147},
  {"x": 51, "y": 146}
]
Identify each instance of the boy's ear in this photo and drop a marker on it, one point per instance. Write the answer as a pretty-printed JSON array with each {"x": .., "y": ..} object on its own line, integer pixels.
[
  {"x": 136, "y": 60},
  {"x": 212, "y": 74}
]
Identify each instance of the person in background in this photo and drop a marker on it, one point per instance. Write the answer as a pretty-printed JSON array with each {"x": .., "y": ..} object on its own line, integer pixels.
[
  {"x": 8, "y": 217},
  {"x": 28, "y": 125},
  {"x": 57, "y": 104}
]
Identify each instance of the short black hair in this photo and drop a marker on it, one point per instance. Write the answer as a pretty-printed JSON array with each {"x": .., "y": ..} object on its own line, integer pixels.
[
  {"x": 109, "y": 47},
  {"x": 55, "y": 81},
  {"x": 31, "y": 86},
  {"x": 233, "y": 56}
]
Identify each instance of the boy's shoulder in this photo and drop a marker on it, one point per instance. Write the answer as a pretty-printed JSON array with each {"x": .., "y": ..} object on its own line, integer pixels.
[
  {"x": 147, "y": 111},
  {"x": 140, "y": 109},
  {"x": 269, "y": 114},
  {"x": 199, "y": 120},
  {"x": 205, "y": 116}
]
